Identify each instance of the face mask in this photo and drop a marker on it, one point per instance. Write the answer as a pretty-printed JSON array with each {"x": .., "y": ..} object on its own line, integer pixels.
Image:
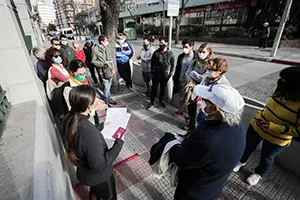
[
  {"x": 93, "y": 112},
  {"x": 120, "y": 41},
  {"x": 88, "y": 41},
  {"x": 162, "y": 46},
  {"x": 80, "y": 77},
  {"x": 186, "y": 50},
  {"x": 57, "y": 60},
  {"x": 203, "y": 106},
  {"x": 146, "y": 46},
  {"x": 106, "y": 44},
  {"x": 211, "y": 74},
  {"x": 64, "y": 42},
  {"x": 76, "y": 45},
  {"x": 202, "y": 56}
]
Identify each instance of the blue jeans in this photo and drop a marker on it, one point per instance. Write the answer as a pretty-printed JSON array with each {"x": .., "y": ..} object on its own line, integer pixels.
[
  {"x": 268, "y": 152},
  {"x": 106, "y": 92}
]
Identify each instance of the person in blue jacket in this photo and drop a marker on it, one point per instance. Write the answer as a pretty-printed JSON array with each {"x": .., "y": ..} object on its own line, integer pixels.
[
  {"x": 124, "y": 53},
  {"x": 264, "y": 35}
]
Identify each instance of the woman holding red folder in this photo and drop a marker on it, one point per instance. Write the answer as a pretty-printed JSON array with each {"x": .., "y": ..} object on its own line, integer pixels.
[{"x": 86, "y": 147}]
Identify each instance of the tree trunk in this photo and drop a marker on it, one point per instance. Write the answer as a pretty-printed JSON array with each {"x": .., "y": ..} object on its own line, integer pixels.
[
  {"x": 110, "y": 19},
  {"x": 178, "y": 22},
  {"x": 179, "y": 19}
]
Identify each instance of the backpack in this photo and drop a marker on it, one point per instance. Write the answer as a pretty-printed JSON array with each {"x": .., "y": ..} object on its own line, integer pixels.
[{"x": 58, "y": 103}]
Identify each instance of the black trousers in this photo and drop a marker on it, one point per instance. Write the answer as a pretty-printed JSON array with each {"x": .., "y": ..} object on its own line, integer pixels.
[
  {"x": 192, "y": 112},
  {"x": 92, "y": 69},
  {"x": 268, "y": 151},
  {"x": 162, "y": 81},
  {"x": 125, "y": 73},
  {"x": 105, "y": 190},
  {"x": 263, "y": 42}
]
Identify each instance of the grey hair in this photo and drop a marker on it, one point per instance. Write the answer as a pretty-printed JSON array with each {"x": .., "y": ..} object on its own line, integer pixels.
[
  {"x": 38, "y": 51},
  {"x": 232, "y": 119}
]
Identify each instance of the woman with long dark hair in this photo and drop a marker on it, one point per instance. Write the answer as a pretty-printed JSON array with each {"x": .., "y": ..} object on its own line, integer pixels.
[
  {"x": 86, "y": 147},
  {"x": 276, "y": 125}
]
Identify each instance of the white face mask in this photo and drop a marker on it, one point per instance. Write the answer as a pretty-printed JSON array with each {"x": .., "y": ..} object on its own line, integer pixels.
[
  {"x": 57, "y": 47},
  {"x": 76, "y": 45},
  {"x": 64, "y": 42},
  {"x": 106, "y": 44},
  {"x": 202, "y": 56},
  {"x": 121, "y": 41},
  {"x": 203, "y": 106},
  {"x": 186, "y": 50},
  {"x": 211, "y": 74}
]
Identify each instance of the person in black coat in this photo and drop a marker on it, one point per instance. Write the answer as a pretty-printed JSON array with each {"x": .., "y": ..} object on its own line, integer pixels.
[
  {"x": 208, "y": 155},
  {"x": 162, "y": 69},
  {"x": 86, "y": 147},
  {"x": 87, "y": 48},
  {"x": 184, "y": 60}
]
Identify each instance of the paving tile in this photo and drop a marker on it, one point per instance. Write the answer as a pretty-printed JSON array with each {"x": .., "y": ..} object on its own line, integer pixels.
[{"x": 148, "y": 139}]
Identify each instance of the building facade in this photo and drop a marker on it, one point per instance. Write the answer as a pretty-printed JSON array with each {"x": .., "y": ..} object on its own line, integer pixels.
[
  {"x": 212, "y": 13},
  {"x": 46, "y": 13},
  {"x": 65, "y": 13}
]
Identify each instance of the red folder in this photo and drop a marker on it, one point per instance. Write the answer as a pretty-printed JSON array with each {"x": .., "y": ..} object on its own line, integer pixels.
[{"x": 119, "y": 133}]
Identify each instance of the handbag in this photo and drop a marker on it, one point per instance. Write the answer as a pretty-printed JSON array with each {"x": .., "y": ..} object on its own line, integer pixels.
[{"x": 107, "y": 72}]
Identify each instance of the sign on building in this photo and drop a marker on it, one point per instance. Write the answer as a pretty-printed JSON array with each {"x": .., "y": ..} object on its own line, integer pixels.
[{"x": 173, "y": 7}]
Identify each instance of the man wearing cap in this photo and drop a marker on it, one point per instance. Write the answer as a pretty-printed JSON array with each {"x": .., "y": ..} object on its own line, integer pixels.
[
  {"x": 207, "y": 156},
  {"x": 264, "y": 35}
]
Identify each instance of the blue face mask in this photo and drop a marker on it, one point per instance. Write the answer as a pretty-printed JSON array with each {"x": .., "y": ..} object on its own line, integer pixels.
[
  {"x": 146, "y": 46},
  {"x": 57, "y": 60},
  {"x": 88, "y": 41}
]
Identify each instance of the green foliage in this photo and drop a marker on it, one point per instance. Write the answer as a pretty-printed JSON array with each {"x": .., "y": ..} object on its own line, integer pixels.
[
  {"x": 51, "y": 27},
  {"x": 152, "y": 29},
  {"x": 236, "y": 32},
  {"x": 130, "y": 25}
]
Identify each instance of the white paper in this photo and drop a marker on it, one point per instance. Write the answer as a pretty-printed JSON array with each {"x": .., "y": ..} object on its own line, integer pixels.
[{"x": 115, "y": 118}]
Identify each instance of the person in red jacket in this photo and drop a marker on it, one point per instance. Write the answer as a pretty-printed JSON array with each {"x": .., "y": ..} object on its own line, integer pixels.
[{"x": 79, "y": 51}]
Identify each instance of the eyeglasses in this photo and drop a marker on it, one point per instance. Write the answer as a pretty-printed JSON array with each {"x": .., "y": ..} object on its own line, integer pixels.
[{"x": 56, "y": 56}]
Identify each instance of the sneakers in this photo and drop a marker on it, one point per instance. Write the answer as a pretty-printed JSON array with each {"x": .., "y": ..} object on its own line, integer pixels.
[
  {"x": 145, "y": 94},
  {"x": 253, "y": 179},
  {"x": 162, "y": 104},
  {"x": 149, "y": 105},
  {"x": 112, "y": 102},
  {"x": 238, "y": 166},
  {"x": 178, "y": 113}
]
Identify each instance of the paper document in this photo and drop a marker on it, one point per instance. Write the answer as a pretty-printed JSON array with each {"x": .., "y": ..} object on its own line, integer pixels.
[{"x": 116, "y": 118}]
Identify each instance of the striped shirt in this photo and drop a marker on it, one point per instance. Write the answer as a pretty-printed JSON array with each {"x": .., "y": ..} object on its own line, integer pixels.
[{"x": 284, "y": 119}]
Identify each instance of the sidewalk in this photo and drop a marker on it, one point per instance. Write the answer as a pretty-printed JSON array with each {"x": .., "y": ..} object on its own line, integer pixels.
[
  {"x": 135, "y": 180},
  {"x": 287, "y": 56}
]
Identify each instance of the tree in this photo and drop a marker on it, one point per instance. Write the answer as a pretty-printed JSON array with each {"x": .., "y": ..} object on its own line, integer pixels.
[
  {"x": 179, "y": 19},
  {"x": 110, "y": 11},
  {"x": 51, "y": 27}
]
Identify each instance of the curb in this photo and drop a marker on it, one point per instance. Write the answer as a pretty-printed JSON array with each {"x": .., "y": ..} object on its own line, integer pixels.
[{"x": 264, "y": 59}]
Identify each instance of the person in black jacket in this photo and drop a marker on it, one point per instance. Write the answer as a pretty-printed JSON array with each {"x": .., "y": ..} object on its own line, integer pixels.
[
  {"x": 86, "y": 147},
  {"x": 87, "y": 48},
  {"x": 184, "y": 60},
  {"x": 162, "y": 69},
  {"x": 208, "y": 155}
]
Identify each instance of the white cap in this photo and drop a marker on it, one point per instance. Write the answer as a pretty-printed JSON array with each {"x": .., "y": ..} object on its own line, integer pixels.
[
  {"x": 266, "y": 24},
  {"x": 223, "y": 96}
]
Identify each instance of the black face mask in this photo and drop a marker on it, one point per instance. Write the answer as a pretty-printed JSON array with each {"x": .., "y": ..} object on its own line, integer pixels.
[{"x": 162, "y": 46}]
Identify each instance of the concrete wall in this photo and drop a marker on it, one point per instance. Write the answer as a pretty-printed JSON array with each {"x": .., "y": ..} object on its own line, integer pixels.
[{"x": 18, "y": 78}]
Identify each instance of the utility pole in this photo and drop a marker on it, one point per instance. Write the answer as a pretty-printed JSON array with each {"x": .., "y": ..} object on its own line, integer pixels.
[
  {"x": 170, "y": 32},
  {"x": 284, "y": 19},
  {"x": 163, "y": 19}
]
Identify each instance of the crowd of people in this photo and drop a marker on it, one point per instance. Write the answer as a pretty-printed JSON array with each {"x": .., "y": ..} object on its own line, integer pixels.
[{"x": 215, "y": 144}]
